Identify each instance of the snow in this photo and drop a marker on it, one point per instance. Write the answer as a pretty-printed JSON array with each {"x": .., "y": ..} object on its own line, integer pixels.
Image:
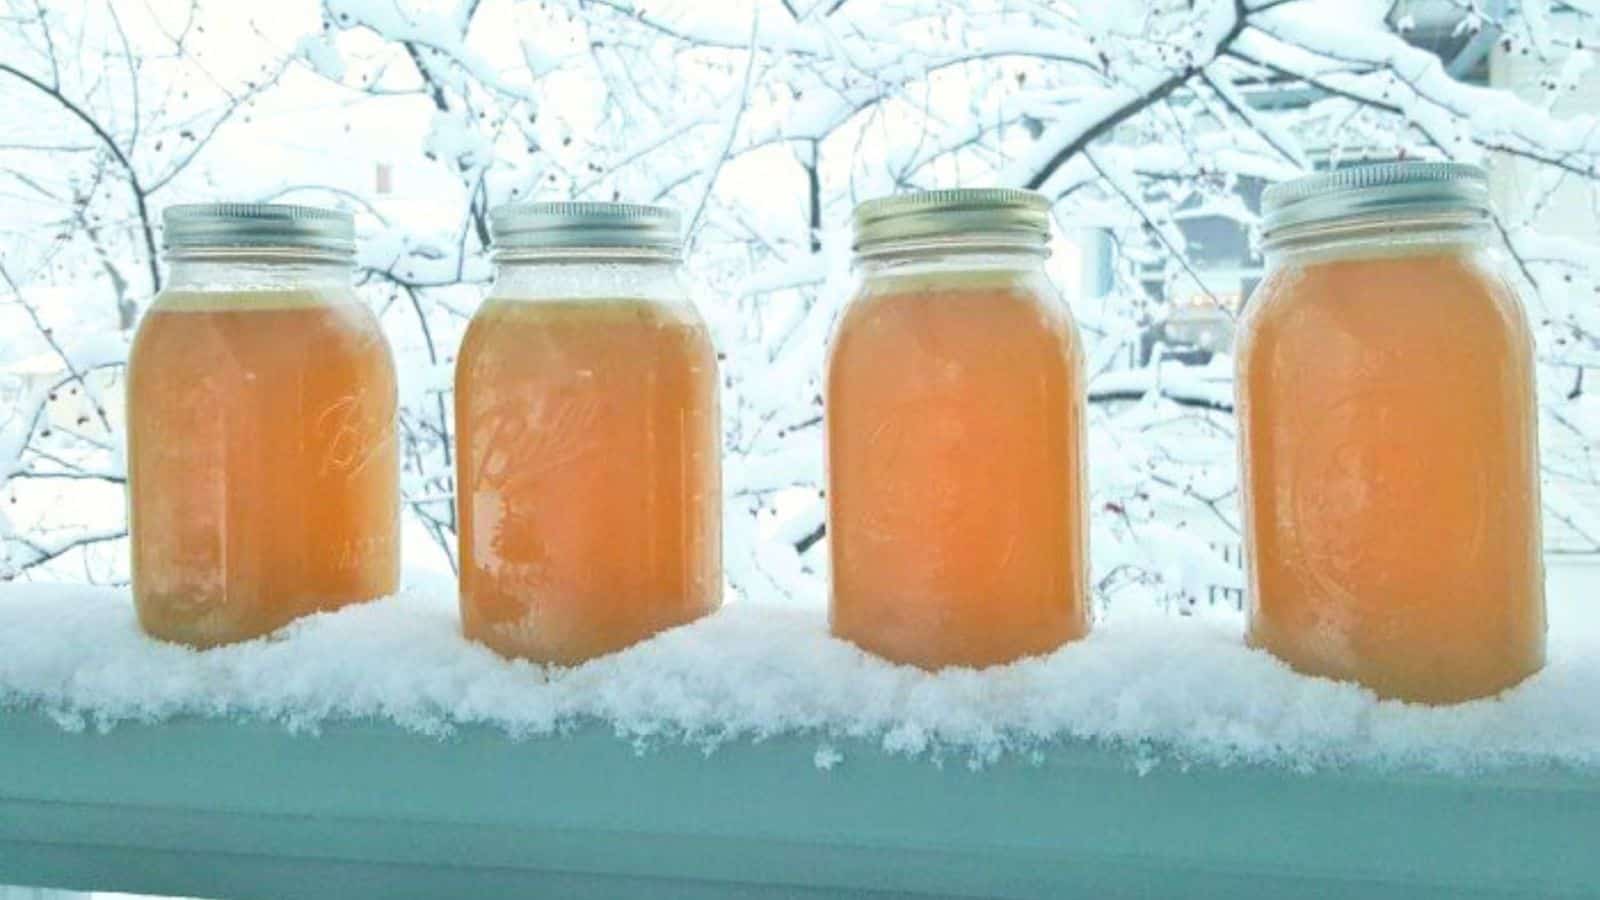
[
  {"x": 1156, "y": 686},
  {"x": 321, "y": 54}
]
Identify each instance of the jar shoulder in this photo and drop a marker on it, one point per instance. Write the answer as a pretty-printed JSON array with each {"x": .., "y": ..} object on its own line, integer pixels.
[
  {"x": 922, "y": 318},
  {"x": 975, "y": 293},
  {"x": 234, "y": 326},
  {"x": 1413, "y": 296}
]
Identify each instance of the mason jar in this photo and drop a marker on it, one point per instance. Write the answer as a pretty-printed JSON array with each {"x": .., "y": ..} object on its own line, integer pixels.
[
  {"x": 1388, "y": 438},
  {"x": 955, "y": 436},
  {"x": 262, "y": 465},
  {"x": 589, "y": 476}
]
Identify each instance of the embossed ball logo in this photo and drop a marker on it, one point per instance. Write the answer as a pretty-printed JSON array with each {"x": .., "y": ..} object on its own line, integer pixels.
[
  {"x": 1384, "y": 495},
  {"x": 931, "y": 475}
]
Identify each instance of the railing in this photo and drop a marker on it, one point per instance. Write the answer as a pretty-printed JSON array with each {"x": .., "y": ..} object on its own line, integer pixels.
[{"x": 222, "y": 808}]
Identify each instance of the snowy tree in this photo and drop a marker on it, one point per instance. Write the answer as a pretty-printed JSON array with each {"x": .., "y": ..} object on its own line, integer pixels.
[{"x": 1151, "y": 124}]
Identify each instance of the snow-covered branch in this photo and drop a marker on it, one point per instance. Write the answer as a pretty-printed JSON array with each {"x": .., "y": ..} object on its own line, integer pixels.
[{"x": 1153, "y": 126}]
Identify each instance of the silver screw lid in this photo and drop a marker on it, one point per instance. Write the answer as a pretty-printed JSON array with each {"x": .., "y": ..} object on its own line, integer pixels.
[
  {"x": 200, "y": 226},
  {"x": 1005, "y": 213},
  {"x": 1396, "y": 189},
  {"x": 581, "y": 224}
]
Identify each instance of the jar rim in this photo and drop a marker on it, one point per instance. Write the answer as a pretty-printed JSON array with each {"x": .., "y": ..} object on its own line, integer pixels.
[
  {"x": 584, "y": 253},
  {"x": 914, "y": 249},
  {"x": 1430, "y": 226}
]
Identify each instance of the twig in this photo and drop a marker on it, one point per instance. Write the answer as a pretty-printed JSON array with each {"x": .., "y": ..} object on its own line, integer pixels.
[
  {"x": 49, "y": 338},
  {"x": 733, "y": 130},
  {"x": 140, "y": 194}
]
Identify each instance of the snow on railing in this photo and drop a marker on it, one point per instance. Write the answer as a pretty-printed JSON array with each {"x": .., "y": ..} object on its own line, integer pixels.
[{"x": 1183, "y": 686}]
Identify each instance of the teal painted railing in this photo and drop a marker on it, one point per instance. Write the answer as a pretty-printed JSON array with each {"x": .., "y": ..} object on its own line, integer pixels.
[{"x": 210, "y": 807}]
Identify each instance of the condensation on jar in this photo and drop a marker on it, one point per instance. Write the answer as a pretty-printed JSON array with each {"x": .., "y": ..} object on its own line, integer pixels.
[
  {"x": 589, "y": 436},
  {"x": 262, "y": 465},
  {"x": 955, "y": 437},
  {"x": 1388, "y": 438}
]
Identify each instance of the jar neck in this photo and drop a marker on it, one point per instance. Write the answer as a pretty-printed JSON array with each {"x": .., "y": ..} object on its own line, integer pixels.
[
  {"x": 1445, "y": 232},
  {"x": 211, "y": 270},
  {"x": 588, "y": 273},
  {"x": 916, "y": 259}
]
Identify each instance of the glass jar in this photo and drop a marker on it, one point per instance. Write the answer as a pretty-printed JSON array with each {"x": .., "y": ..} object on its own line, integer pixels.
[
  {"x": 588, "y": 432},
  {"x": 1388, "y": 438},
  {"x": 262, "y": 464},
  {"x": 955, "y": 436}
]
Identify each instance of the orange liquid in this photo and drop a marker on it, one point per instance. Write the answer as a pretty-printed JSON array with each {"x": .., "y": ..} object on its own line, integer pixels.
[
  {"x": 589, "y": 476},
  {"x": 1387, "y": 420},
  {"x": 955, "y": 471},
  {"x": 262, "y": 468}
]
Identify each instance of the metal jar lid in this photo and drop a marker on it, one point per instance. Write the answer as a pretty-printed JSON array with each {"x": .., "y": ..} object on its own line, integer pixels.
[
  {"x": 1006, "y": 213},
  {"x": 1387, "y": 190},
  {"x": 580, "y": 224},
  {"x": 201, "y": 226}
]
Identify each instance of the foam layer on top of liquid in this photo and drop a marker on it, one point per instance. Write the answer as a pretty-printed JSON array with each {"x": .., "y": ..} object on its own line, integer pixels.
[{"x": 180, "y": 301}]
